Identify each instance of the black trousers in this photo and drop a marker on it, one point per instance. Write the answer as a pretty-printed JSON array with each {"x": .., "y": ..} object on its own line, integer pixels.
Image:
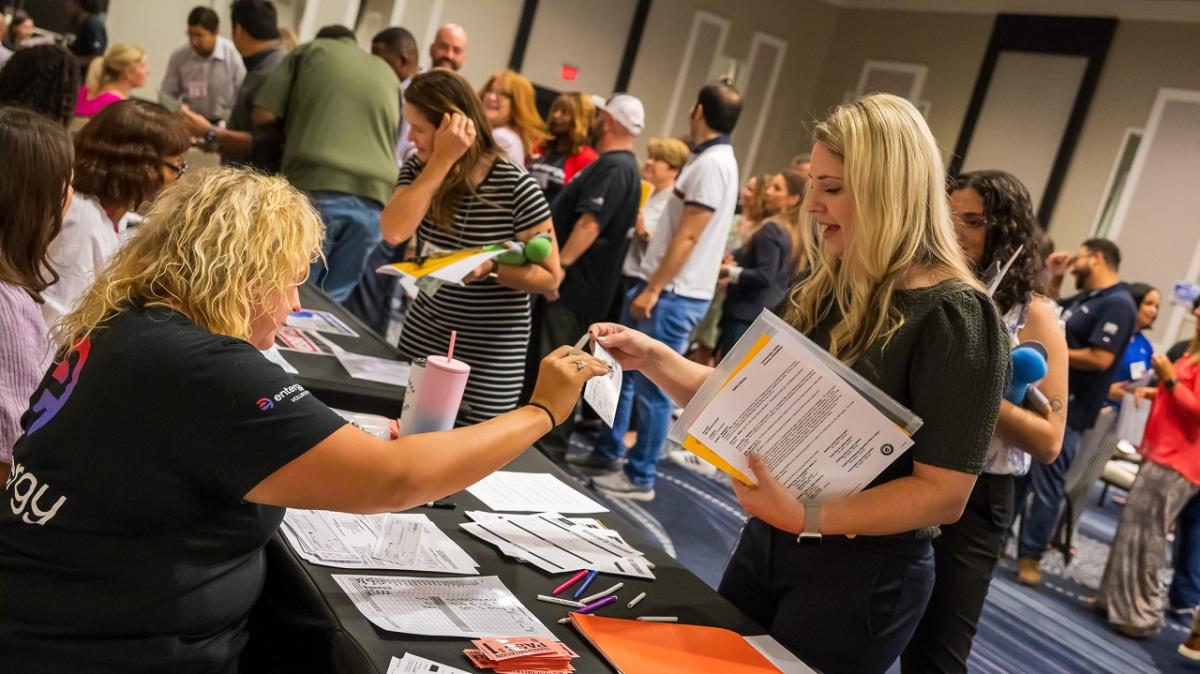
[
  {"x": 554, "y": 325},
  {"x": 843, "y": 605},
  {"x": 371, "y": 299},
  {"x": 965, "y": 557}
]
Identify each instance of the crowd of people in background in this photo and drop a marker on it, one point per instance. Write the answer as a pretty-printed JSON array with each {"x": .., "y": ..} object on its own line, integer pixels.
[{"x": 399, "y": 160}]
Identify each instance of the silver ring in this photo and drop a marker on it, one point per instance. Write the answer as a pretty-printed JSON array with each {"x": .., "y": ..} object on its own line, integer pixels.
[{"x": 581, "y": 364}]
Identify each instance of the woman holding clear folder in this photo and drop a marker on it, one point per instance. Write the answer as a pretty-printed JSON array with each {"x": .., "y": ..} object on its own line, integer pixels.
[{"x": 892, "y": 296}]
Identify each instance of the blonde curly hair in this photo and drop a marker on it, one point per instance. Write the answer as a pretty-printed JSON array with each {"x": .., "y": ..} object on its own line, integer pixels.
[{"x": 214, "y": 246}]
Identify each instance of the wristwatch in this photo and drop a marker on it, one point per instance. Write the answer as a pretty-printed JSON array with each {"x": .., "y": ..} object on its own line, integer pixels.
[
  {"x": 1170, "y": 384},
  {"x": 812, "y": 525},
  {"x": 210, "y": 136}
]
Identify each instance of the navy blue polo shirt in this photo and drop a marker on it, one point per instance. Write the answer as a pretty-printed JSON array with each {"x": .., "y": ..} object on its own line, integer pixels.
[{"x": 1104, "y": 319}]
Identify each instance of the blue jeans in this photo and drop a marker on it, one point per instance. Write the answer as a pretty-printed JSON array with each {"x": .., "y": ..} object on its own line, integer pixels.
[
  {"x": 351, "y": 233},
  {"x": 671, "y": 322},
  {"x": 1185, "y": 585},
  {"x": 1047, "y": 482}
]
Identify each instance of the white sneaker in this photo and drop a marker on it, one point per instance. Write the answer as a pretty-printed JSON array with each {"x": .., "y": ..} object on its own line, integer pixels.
[
  {"x": 618, "y": 485},
  {"x": 690, "y": 461}
]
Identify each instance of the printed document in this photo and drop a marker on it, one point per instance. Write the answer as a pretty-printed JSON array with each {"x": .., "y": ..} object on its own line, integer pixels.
[
  {"x": 392, "y": 541},
  {"x": 823, "y": 430},
  {"x": 604, "y": 392},
  {"x": 557, "y": 544},
  {"x": 415, "y": 664},
  {"x": 508, "y": 491},
  {"x": 441, "y": 607}
]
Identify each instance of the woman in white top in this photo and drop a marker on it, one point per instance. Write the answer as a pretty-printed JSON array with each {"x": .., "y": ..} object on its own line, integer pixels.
[
  {"x": 123, "y": 157},
  {"x": 993, "y": 217},
  {"x": 511, "y": 111}
]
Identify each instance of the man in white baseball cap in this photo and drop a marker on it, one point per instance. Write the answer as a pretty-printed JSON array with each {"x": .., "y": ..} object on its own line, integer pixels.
[{"x": 592, "y": 217}]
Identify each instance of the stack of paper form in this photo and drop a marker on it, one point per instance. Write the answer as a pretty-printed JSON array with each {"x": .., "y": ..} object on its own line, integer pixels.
[
  {"x": 510, "y": 491},
  {"x": 398, "y": 542},
  {"x": 557, "y": 544},
  {"x": 441, "y": 607}
]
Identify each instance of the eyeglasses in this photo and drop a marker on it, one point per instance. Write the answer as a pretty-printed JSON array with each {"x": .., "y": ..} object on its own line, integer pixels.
[{"x": 179, "y": 168}]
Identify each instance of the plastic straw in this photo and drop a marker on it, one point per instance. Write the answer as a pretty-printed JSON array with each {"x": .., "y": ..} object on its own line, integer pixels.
[{"x": 450, "y": 351}]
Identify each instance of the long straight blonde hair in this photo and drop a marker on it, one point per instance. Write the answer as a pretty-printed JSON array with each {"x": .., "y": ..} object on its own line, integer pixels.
[
  {"x": 213, "y": 247},
  {"x": 894, "y": 172}
]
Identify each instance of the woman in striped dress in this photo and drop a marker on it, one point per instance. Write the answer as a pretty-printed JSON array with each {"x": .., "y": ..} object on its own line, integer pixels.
[{"x": 460, "y": 192}]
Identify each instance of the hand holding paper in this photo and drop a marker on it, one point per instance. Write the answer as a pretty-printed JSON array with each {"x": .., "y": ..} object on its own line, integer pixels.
[{"x": 769, "y": 501}]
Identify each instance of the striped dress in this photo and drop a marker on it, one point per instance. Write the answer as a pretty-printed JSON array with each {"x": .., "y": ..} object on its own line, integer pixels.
[{"x": 492, "y": 321}]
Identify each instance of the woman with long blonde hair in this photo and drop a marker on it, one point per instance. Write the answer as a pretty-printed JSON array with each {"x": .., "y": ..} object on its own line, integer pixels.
[
  {"x": 891, "y": 295},
  {"x": 112, "y": 78},
  {"x": 511, "y": 109},
  {"x": 161, "y": 448},
  {"x": 459, "y": 192}
]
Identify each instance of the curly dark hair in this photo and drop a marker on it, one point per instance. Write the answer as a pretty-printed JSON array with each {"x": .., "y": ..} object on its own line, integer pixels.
[
  {"x": 119, "y": 154},
  {"x": 43, "y": 78},
  {"x": 1010, "y": 223}
]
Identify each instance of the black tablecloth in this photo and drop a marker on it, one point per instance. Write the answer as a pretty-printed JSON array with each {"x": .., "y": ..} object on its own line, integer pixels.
[
  {"x": 328, "y": 380},
  {"x": 322, "y": 625}
]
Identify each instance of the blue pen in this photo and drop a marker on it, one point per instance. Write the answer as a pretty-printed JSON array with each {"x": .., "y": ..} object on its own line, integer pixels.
[{"x": 587, "y": 580}]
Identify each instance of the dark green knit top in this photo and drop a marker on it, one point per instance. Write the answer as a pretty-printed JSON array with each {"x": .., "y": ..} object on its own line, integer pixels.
[{"x": 949, "y": 363}]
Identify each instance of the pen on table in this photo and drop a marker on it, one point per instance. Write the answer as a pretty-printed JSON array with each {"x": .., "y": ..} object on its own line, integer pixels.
[
  {"x": 598, "y": 604},
  {"x": 587, "y": 580},
  {"x": 564, "y": 621},
  {"x": 570, "y": 581},
  {"x": 593, "y": 597},
  {"x": 656, "y": 618},
  {"x": 560, "y": 600},
  {"x": 444, "y": 505},
  {"x": 635, "y": 600}
]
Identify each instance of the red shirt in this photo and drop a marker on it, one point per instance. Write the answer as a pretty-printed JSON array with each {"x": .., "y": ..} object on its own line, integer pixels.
[{"x": 1172, "y": 436}]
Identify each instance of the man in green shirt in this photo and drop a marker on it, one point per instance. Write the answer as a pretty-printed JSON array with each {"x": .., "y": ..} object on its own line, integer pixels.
[{"x": 340, "y": 109}]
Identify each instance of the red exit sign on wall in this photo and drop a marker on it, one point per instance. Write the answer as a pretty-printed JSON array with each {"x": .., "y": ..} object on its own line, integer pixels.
[{"x": 569, "y": 72}]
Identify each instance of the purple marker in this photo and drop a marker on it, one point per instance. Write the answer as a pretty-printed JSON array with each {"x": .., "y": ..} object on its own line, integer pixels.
[{"x": 598, "y": 604}]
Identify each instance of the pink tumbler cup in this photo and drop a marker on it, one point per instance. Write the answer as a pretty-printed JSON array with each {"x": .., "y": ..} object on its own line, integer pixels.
[{"x": 440, "y": 395}]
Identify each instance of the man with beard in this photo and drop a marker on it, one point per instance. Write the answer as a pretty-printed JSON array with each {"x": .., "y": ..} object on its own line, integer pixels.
[
  {"x": 1099, "y": 322},
  {"x": 449, "y": 48}
]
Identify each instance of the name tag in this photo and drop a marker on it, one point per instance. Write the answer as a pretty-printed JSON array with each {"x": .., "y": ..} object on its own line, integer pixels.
[
  {"x": 1137, "y": 369},
  {"x": 197, "y": 89}
]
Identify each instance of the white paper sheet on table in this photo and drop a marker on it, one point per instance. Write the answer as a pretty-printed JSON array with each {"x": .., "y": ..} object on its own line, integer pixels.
[
  {"x": 441, "y": 607},
  {"x": 372, "y": 368},
  {"x": 603, "y": 392},
  {"x": 557, "y": 544},
  {"x": 349, "y": 541},
  {"x": 779, "y": 656},
  {"x": 415, "y": 664},
  {"x": 272, "y": 354},
  {"x": 321, "y": 321},
  {"x": 532, "y": 492}
]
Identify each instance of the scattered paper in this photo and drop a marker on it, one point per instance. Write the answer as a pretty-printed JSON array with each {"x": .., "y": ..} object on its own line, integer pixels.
[
  {"x": 448, "y": 267},
  {"x": 350, "y": 541},
  {"x": 415, "y": 664},
  {"x": 441, "y": 607},
  {"x": 604, "y": 392},
  {"x": 372, "y": 368},
  {"x": 557, "y": 544},
  {"x": 379, "y": 426},
  {"x": 304, "y": 341},
  {"x": 779, "y": 656},
  {"x": 531, "y": 492},
  {"x": 272, "y": 354},
  {"x": 321, "y": 321}
]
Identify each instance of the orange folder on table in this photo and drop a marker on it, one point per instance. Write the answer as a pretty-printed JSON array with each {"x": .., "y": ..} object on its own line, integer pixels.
[{"x": 636, "y": 647}]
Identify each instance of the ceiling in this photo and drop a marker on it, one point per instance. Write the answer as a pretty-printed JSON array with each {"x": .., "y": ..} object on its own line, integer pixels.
[{"x": 1143, "y": 10}]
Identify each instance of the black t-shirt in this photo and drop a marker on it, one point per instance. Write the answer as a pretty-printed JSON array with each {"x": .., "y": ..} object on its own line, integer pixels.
[
  {"x": 608, "y": 188},
  {"x": 126, "y": 545},
  {"x": 91, "y": 37},
  {"x": 949, "y": 363},
  {"x": 1104, "y": 319},
  {"x": 548, "y": 171}
]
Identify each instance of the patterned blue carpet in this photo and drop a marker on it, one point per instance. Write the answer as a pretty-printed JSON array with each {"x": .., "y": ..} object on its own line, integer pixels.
[{"x": 1045, "y": 630}]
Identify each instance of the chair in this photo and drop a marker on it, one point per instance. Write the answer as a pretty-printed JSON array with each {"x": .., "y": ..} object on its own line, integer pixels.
[{"x": 1095, "y": 449}]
